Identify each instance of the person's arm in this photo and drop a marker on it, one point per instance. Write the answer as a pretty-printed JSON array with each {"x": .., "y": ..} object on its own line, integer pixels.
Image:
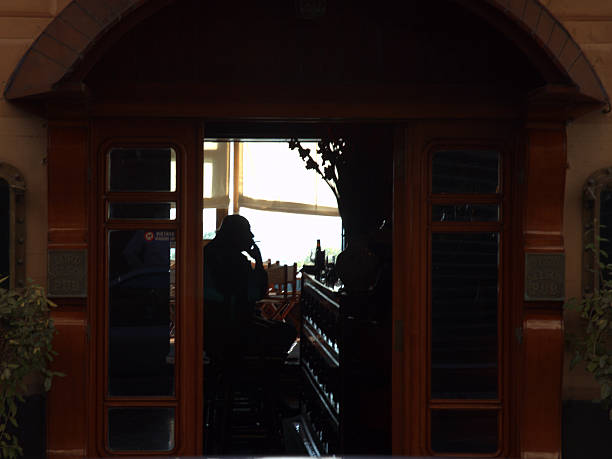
[{"x": 258, "y": 280}]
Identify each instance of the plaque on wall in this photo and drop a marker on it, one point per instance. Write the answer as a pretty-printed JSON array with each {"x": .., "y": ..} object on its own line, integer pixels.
[
  {"x": 544, "y": 277},
  {"x": 67, "y": 273}
]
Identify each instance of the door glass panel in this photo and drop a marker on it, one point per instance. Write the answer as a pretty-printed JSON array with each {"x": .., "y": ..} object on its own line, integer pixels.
[
  {"x": 465, "y": 172},
  {"x": 464, "y": 315},
  {"x": 464, "y": 431},
  {"x": 142, "y": 210},
  {"x": 141, "y": 312},
  {"x": 142, "y": 169},
  {"x": 465, "y": 213},
  {"x": 141, "y": 429}
]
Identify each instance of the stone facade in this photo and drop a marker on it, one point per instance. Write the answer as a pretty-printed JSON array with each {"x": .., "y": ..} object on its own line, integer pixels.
[{"x": 23, "y": 135}]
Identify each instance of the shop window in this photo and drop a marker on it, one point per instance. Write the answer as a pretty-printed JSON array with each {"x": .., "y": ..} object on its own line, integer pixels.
[
  {"x": 12, "y": 226},
  {"x": 597, "y": 229}
]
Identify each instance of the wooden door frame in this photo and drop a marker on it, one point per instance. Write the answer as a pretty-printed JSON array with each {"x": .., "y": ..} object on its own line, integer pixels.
[
  {"x": 184, "y": 135},
  {"x": 413, "y": 144},
  {"x": 537, "y": 227}
]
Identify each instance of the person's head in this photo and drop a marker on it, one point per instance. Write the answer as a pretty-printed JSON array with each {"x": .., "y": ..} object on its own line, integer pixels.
[{"x": 235, "y": 230}]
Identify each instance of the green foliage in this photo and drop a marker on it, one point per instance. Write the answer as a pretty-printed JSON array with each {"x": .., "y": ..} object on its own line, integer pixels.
[
  {"x": 26, "y": 333},
  {"x": 593, "y": 345}
]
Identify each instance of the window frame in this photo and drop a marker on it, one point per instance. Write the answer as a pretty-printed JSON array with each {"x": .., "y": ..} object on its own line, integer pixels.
[
  {"x": 502, "y": 228},
  {"x": 17, "y": 224},
  {"x": 598, "y": 181},
  {"x": 107, "y": 197}
]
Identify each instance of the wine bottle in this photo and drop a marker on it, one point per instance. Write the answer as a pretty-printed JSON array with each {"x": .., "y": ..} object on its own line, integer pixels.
[{"x": 319, "y": 259}]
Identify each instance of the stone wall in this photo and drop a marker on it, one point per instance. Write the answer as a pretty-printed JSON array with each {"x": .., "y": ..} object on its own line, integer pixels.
[
  {"x": 23, "y": 141},
  {"x": 589, "y": 146}
]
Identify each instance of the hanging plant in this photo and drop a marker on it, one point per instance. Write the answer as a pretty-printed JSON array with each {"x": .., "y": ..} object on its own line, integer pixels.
[
  {"x": 26, "y": 334},
  {"x": 332, "y": 163}
]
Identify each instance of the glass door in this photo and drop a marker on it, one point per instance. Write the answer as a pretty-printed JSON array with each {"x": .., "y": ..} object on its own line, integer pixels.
[
  {"x": 141, "y": 236},
  {"x": 456, "y": 223},
  {"x": 148, "y": 373},
  {"x": 465, "y": 300}
]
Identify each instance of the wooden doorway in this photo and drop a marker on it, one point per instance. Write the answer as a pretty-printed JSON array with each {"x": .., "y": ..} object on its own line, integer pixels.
[{"x": 165, "y": 207}]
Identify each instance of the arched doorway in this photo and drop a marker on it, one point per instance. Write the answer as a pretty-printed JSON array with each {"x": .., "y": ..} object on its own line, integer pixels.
[{"x": 153, "y": 71}]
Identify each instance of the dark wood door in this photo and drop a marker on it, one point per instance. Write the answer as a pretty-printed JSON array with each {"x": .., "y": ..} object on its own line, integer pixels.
[
  {"x": 454, "y": 280},
  {"x": 147, "y": 389}
]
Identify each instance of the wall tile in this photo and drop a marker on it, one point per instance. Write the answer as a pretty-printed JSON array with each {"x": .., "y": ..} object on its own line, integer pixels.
[
  {"x": 45, "y": 8},
  {"x": 587, "y": 32},
  {"x": 22, "y": 127},
  {"x": 531, "y": 15},
  {"x": 58, "y": 51},
  {"x": 569, "y": 53},
  {"x": 546, "y": 24},
  {"x": 78, "y": 18},
  {"x": 29, "y": 28},
  {"x": 67, "y": 34},
  {"x": 600, "y": 57},
  {"x": 11, "y": 51},
  {"x": 561, "y": 8},
  {"x": 29, "y": 81},
  {"x": 517, "y": 7},
  {"x": 558, "y": 39},
  {"x": 61, "y": 4},
  {"x": 582, "y": 72}
]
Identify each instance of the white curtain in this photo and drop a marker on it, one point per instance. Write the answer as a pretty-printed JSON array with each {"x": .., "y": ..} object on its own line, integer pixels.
[
  {"x": 216, "y": 175},
  {"x": 274, "y": 178}
]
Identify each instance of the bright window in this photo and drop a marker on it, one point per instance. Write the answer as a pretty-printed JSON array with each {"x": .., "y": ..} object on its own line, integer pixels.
[{"x": 289, "y": 207}]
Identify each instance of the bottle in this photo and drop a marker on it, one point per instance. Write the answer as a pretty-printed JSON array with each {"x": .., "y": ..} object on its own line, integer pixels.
[{"x": 319, "y": 259}]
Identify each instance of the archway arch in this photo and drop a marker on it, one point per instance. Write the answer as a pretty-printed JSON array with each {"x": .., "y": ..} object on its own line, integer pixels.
[{"x": 61, "y": 55}]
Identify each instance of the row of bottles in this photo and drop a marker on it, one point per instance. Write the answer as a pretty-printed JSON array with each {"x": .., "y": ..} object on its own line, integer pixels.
[
  {"x": 324, "y": 375},
  {"x": 324, "y": 268},
  {"x": 324, "y": 431},
  {"x": 323, "y": 320}
]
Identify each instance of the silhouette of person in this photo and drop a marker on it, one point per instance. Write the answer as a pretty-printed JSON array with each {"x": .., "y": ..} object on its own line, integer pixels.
[{"x": 231, "y": 289}]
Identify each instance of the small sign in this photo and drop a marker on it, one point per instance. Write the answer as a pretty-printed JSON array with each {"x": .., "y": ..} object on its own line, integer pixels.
[
  {"x": 162, "y": 236},
  {"x": 544, "y": 277},
  {"x": 67, "y": 273}
]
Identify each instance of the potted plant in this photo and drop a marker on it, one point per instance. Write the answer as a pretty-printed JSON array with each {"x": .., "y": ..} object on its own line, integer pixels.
[
  {"x": 26, "y": 334},
  {"x": 593, "y": 344}
]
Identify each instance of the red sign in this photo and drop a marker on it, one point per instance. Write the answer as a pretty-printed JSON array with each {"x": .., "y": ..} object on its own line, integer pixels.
[{"x": 149, "y": 236}]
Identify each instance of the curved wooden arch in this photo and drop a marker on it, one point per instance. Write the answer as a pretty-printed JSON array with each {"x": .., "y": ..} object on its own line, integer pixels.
[{"x": 58, "y": 52}]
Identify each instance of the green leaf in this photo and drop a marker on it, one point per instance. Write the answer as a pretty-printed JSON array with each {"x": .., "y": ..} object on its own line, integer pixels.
[
  {"x": 25, "y": 348},
  {"x": 606, "y": 391},
  {"x": 575, "y": 360}
]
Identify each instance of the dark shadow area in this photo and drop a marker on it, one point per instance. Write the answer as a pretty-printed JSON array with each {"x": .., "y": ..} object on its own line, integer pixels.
[
  {"x": 587, "y": 430},
  {"x": 332, "y": 393},
  {"x": 5, "y": 230}
]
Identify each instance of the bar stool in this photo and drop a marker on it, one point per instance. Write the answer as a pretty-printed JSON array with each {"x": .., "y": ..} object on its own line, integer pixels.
[{"x": 240, "y": 405}]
